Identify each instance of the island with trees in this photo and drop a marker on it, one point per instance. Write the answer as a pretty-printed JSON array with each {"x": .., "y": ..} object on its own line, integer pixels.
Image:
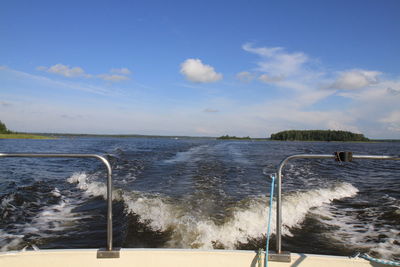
[
  {"x": 318, "y": 135},
  {"x": 227, "y": 137}
]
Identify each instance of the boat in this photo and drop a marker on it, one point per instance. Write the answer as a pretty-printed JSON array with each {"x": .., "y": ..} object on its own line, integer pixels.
[{"x": 121, "y": 257}]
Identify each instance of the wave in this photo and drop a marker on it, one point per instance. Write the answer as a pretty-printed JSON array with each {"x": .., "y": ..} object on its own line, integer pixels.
[
  {"x": 368, "y": 233},
  {"x": 88, "y": 185},
  {"x": 191, "y": 229},
  {"x": 186, "y": 155},
  {"x": 49, "y": 222}
]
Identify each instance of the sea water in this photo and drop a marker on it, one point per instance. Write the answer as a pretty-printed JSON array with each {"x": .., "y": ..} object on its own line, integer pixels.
[{"x": 199, "y": 193}]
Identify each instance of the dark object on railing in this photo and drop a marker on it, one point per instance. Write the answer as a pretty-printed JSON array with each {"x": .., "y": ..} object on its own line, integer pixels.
[
  {"x": 343, "y": 156},
  {"x": 109, "y": 252}
]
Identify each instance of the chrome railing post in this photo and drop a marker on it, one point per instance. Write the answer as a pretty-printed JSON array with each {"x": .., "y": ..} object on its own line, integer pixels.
[
  {"x": 109, "y": 252},
  {"x": 279, "y": 197},
  {"x": 279, "y": 190},
  {"x": 279, "y": 212}
]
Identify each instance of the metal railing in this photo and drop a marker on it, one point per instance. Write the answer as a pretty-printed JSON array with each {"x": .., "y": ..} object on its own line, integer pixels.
[
  {"x": 109, "y": 252},
  {"x": 279, "y": 188}
]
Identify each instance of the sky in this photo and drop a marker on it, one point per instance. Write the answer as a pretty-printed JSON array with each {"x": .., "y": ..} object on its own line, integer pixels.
[{"x": 200, "y": 68}]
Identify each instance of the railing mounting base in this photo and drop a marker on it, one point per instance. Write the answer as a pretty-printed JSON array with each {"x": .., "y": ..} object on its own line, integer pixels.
[
  {"x": 103, "y": 253},
  {"x": 284, "y": 256}
]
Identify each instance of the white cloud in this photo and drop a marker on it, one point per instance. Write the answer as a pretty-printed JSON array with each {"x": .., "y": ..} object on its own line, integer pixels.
[
  {"x": 45, "y": 82},
  {"x": 116, "y": 75},
  {"x": 41, "y": 68},
  {"x": 195, "y": 71},
  {"x": 294, "y": 71},
  {"x": 124, "y": 71},
  {"x": 392, "y": 121},
  {"x": 245, "y": 76},
  {"x": 262, "y": 51},
  {"x": 270, "y": 79},
  {"x": 392, "y": 91},
  {"x": 355, "y": 79},
  {"x": 384, "y": 89},
  {"x": 393, "y": 117},
  {"x": 211, "y": 110},
  {"x": 276, "y": 62},
  {"x": 374, "y": 110},
  {"x": 65, "y": 70},
  {"x": 113, "y": 77}
]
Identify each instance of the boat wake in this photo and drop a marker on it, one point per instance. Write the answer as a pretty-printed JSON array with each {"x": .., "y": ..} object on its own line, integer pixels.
[
  {"x": 362, "y": 228},
  {"x": 191, "y": 228},
  {"x": 26, "y": 227},
  {"x": 190, "y": 223}
]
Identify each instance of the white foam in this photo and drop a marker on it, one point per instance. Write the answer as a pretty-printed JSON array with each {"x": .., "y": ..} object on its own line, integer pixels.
[
  {"x": 246, "y": 222},
  {"x": 58, "y": 217},
  {"x": 55, "y": 192},
  {"x": 192, "y": 230},
  {"x": 50, "y": 221},
  {"x": 6, "y": 205},
  {"x": 186, "y": 155},
  {"x": 9, "y": 241},
  {"x": 6, "y": 201},
  {"x": 296, "y": 205},
  {"x": 86, "y": 183},
  {"x": 237, "y": 155},
  {"x": 349, "y": 230}
]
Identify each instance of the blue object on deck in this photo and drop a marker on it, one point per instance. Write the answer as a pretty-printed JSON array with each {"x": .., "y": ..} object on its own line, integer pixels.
[
  {"x": 271, "y": 198},
  {"x": 367, "y": 257}
]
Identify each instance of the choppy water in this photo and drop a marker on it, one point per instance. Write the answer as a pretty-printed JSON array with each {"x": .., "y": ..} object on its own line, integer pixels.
[{"x": 191, "y": 193}]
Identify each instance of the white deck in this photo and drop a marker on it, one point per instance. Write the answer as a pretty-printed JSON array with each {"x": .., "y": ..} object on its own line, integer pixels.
[{"x": 165, "y": 258}]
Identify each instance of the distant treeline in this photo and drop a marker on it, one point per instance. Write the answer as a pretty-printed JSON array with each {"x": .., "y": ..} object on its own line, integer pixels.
[
  {"x": 3, "y": 129},
  {"x": 318, "y": 135},
  {"x": 233, "y": 137}
]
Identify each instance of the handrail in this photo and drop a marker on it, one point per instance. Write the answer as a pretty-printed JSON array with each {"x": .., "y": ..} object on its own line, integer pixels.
[
  {"x": 109, "y": 252},
  {"x": 307, "y": 156}
]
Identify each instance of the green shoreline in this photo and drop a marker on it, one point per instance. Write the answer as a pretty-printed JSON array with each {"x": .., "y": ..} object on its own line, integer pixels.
[{"x": 24, "y": 136}]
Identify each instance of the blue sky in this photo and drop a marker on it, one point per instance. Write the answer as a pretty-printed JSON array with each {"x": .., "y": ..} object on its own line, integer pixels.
[{"x": 201, "y": 68}]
